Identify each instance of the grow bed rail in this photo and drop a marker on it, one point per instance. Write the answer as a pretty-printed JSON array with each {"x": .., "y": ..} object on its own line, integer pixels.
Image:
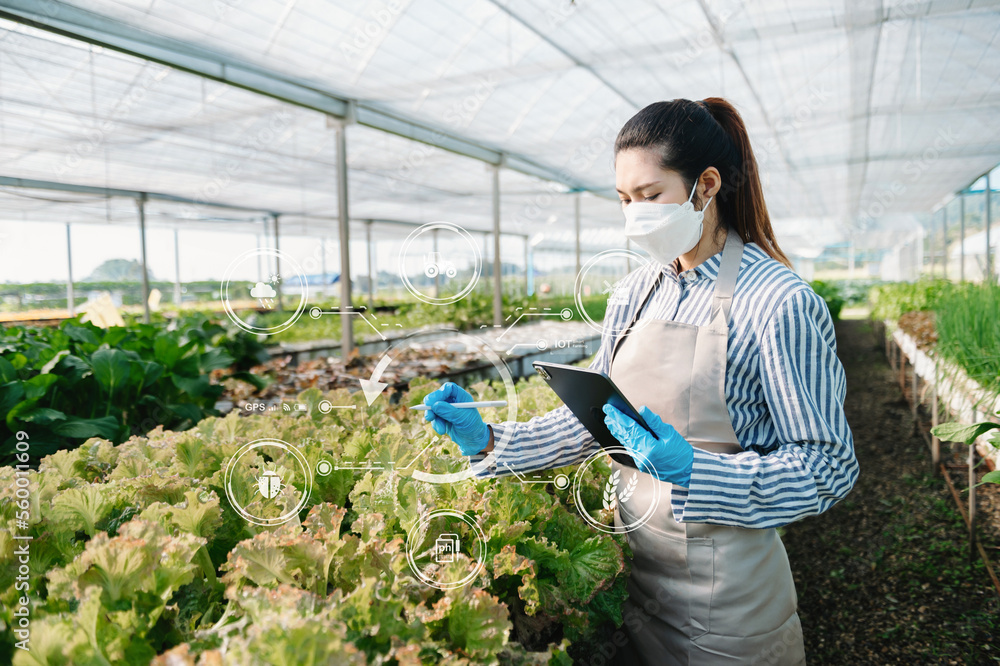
[{"x": 962, "y": 398}]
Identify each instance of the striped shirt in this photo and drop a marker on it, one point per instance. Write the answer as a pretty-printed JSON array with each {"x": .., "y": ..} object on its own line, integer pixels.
[{"x": 785, "y": 392}]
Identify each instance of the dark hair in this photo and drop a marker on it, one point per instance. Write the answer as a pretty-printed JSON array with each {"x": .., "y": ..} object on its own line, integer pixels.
[{"x": 692, "y": 136}]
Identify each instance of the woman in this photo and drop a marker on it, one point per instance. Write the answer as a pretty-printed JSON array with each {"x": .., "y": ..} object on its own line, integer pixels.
[{"x": 733, "y": 357}]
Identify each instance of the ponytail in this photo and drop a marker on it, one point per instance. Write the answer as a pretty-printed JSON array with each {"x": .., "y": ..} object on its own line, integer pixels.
[
  {"x": 692, "y": 136},
  {"x": 743, "y": 203}
]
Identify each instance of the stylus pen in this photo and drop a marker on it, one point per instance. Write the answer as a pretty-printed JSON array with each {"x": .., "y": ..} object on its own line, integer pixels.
[{"x": 466, "y": 405}]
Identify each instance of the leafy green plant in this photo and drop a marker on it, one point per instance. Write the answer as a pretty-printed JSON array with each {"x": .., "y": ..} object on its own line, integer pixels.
[
  {"x": 136, "y": 551},
  {"x": 968, "y": 434},
  {"x": 471, "y": 312},
  {"x": 967, "y": 318},
  {"x": 855, "y": 291},
  {"x": 891, "y": 300},
  {"x": 831, "y": 294},
  {"x": 966, "y": 321},
  {"x": 67, "y": 384}
]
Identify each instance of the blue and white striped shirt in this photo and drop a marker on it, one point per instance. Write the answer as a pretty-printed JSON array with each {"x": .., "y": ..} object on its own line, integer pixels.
[{"x": 785, "y": 392}]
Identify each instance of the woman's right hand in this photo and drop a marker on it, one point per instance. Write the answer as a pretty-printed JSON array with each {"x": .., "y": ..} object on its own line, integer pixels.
[{"x": 464, "y": 426}]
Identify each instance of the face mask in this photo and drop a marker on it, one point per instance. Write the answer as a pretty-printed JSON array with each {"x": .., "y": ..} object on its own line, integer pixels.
[{"x": 665, "y": 231}]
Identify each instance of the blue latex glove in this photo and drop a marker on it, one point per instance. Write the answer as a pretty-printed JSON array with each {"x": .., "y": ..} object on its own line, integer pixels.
[
  {"x": 669, "y": 456},
  {"x": 465, "y": 426}
]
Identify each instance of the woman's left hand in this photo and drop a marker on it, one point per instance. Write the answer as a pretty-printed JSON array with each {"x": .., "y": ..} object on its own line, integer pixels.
[{"x": 667, "y": 456}]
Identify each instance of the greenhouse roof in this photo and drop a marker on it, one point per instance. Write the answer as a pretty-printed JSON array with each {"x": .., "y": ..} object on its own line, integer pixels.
[{"x": 856, "y": 110}]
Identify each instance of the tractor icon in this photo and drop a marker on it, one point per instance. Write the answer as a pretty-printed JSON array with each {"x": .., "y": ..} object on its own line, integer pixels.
[
  {"x": 269, "y": 484},
  {"x": 434, "y": 266}
]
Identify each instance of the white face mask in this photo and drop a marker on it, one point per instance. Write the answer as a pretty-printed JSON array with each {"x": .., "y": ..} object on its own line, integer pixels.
[{"x": 665, "y": 231}]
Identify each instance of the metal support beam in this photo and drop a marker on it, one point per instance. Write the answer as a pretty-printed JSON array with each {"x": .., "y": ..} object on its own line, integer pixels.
[
  {"x": 961, "y": 248},
  {"x": 263, "y": 266},
  {"x": 268, "y": 269},
  {"x": 930, "y": 246},
  {"x": 277, "y": 263},
  {"x": 972, "y": 491},
  {"x": 850, "y": 257},
  {"x": 497, "y": 265},
  {"x": 346, "y": 320},
  {"x": 70, "y": 296},
  {"x": 260, "y": 270},
  {"x": 944, "y": 242},
  {"x": 437, "y": 274},
  {"x": 141, "y": 204},
  {"x": 322, "y": 259},
  {"x": 935, "y": 417},
  {"x": 106, "y": 192},
  {"x": 989, "y": 223},
  {"x": 371, "y": 262},
  {"x": 527, "y": 266},
  {"x": 487, "y": 265},
  {"x": 65, "y": 19},
  {"x": 177, "y": 270},
  {"x": 576, "y": 229}
]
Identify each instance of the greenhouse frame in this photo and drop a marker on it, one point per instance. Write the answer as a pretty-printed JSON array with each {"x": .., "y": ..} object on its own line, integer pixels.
[{"x": 230, "y": 225}]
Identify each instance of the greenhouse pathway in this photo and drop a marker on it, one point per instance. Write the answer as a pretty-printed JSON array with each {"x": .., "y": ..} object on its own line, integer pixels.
[{"x": 883, "y": 577}]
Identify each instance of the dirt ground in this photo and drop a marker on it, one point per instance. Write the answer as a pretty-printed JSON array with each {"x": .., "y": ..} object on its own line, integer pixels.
[{"x": 884, "y": 576}]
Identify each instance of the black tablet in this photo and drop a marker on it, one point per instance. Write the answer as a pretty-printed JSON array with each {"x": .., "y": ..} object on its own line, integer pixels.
[{"x": 585, "y": 392}]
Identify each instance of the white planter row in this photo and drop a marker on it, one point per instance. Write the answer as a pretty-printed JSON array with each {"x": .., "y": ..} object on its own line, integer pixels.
[{"x": 964, "y": 399}]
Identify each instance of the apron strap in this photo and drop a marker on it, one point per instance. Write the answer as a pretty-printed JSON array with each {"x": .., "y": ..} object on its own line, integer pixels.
[
  {"x": 635, "y": 315},
  {"x": 725, "y": 285},
  {"x": 725, "y": 282}
]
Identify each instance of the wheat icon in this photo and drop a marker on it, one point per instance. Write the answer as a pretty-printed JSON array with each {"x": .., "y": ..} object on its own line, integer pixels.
[
  {"x": 629, "y": 488},
  {"x": 610, "y": 496}
]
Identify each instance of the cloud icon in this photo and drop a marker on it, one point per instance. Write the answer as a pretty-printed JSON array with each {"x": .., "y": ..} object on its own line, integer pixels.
[{"x": 263, "y": 290}]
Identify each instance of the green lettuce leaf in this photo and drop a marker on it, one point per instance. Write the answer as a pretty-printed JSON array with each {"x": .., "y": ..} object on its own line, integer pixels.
[
  {"x": 77, "y": 428},
  {"x": 957, "y": 432},
  {"x": 112, "y": 370},
  {"x": 82, "y": 508},
  {"x": 477, "y": 623}
]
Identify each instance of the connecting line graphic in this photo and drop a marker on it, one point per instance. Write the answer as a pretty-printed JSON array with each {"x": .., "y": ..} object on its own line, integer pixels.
[
  {"x": 356, "y": 467},
  {"x": 390, "y": 464},
  {"x": 560, "y": 481},
  {"x": 375, "y": 319},
  {"x": 542, "y": 345},
  {"x": 565, "y": 314},
  {"x": 510, "y": 352},
  {"x": 316, "y": 313},
  {"x": 422, "y": 452},
  {"x": 325, "y": 406}
]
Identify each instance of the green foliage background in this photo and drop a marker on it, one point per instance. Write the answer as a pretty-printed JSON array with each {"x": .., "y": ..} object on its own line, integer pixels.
[
  {"x": 831, "y": 294},
  {"x": 966, "y": 318},
  {"x": 64, "y": 385},
  {"x": 469, "y": 313},
  {"x": 137, "y": 553}
]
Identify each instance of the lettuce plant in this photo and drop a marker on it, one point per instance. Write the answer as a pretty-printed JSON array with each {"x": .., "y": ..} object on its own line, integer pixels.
[{"x": 137, "y": 556}]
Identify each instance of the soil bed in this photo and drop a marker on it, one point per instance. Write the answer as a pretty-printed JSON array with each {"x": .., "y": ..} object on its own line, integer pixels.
[{"x": 884, "y": 577}]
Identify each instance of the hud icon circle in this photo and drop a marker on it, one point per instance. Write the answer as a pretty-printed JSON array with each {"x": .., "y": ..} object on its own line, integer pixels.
[
  {"x": 238, "y": 295},
  {"x": 446, "y": 549},
  {"x": 626, "y": 491},
  {"x": 594, "y": 278},
  {"x": 262, "y": 481},
  {"x": 436, "y": 264}
]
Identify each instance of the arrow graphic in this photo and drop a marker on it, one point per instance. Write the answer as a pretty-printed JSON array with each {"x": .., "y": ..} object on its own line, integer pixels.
[{"x": 373, "y": 387}]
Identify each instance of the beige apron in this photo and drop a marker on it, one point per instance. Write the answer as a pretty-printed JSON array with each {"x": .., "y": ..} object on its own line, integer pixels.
[{"x": 698, "y": 593}]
